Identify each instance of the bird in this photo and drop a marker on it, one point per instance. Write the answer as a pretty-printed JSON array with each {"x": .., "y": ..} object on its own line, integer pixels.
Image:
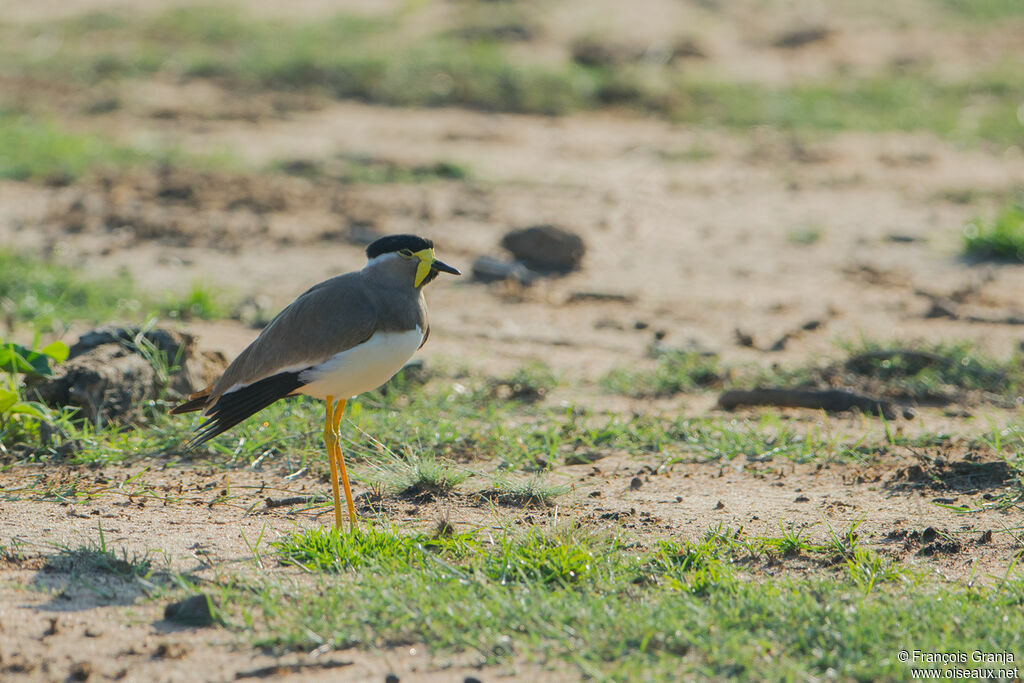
[{"x": 340, "y": 338}]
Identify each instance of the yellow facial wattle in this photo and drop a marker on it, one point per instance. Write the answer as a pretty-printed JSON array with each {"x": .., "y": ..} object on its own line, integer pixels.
[{"x": 426, "y": 257}]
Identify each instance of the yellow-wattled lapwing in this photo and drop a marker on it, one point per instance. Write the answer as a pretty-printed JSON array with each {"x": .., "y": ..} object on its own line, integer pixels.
[{"x": 340, "y": 338}]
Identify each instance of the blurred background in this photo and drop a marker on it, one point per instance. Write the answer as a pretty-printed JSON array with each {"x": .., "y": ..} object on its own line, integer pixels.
[{"x": 756, "y": 180}]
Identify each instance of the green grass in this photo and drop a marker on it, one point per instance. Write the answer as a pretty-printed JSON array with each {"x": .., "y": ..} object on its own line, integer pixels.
[
  {"x": 983, "y": 10},
  {"x": 804, "y": 236},
  {"x": 34, "y": 149},
  {"x": 323, "y": 550},
  {"x": 48, "y": 294},
  {"x": 1001, "y": 238},
  {"x": 201, "y": 301},
  {"x": 883, "y": 102},
  {"x": 695, "y": 152},
  {"x": 366, "y": 59},
  {"x": 566, "y": 597},
  {"x": 676, "y": 372}
]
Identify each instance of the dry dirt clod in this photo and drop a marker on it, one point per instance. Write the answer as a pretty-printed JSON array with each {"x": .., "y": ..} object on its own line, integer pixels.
[
  {"x": 80, "y": 671},
  {"x": 170, "y": 651},
  {"x": 799, "y": 37},
  {"x": 194, "y": 611},
  {"x": 546, "y": 248},
  {"x": 743, "y": 339},
  {"x": 111, "y": 371},
  {"x": 636, "y": 483}
]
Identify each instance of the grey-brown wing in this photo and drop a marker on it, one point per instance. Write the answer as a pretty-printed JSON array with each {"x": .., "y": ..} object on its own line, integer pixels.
[{"x": 331, "y": 317}]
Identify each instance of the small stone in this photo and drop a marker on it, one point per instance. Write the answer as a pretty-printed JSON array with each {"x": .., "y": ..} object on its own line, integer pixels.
[
  {"x": 636, "y": 483},
  {"x": 488, "y": 269},
  {"x": 391, "y": 678}
]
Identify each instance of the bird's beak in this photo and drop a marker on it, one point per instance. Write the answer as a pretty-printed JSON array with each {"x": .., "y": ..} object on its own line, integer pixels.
[{"x": 444, "y": 267}]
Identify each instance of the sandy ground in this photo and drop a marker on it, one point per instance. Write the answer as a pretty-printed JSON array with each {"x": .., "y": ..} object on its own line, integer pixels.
[{"x": 694, "y": 230}]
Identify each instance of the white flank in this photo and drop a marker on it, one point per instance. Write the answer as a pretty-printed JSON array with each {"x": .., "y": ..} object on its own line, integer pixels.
[{"x": 362, "y": 367}]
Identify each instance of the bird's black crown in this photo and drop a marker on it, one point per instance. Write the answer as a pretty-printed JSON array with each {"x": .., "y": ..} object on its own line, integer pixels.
[{"x": 392, "y": 243}]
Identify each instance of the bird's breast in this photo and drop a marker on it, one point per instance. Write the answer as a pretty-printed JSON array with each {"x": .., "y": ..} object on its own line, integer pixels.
[{"x": 362, "y": 367}]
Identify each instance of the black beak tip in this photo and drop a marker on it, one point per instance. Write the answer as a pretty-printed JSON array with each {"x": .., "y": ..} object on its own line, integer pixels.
[{"x": 445, "y": 268}]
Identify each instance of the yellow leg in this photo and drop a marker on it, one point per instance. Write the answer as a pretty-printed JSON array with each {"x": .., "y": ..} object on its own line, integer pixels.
[
  {"x": 331, "y": 441},
  {"x": 339, "y": 410}
]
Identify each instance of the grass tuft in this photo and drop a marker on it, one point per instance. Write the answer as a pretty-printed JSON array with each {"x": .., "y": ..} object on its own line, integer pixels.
[
  {"x": 201, "y": 302},
  {"x": 929, "y": 371},
  {"x": 676, "y": 372},
  {"x": 529, "y": 383},
  {"x": 515, "y": 492},
  {"x": 804, "y": 236},
  {"x": 419, "y": 476},
  {"x": 95, "y": 558},
  {"x": 1000, "y": 239}
]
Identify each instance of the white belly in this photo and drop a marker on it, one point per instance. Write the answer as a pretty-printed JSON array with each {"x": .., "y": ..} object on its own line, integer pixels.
[{"x": 363, "y": 367}]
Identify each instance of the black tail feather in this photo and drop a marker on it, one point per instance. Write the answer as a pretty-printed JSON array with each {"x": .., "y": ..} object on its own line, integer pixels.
[{"x": 237, "y": 405}]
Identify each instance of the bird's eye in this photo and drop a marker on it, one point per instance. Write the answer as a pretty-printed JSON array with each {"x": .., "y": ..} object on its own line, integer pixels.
[{"x": 407, "y": 253}]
